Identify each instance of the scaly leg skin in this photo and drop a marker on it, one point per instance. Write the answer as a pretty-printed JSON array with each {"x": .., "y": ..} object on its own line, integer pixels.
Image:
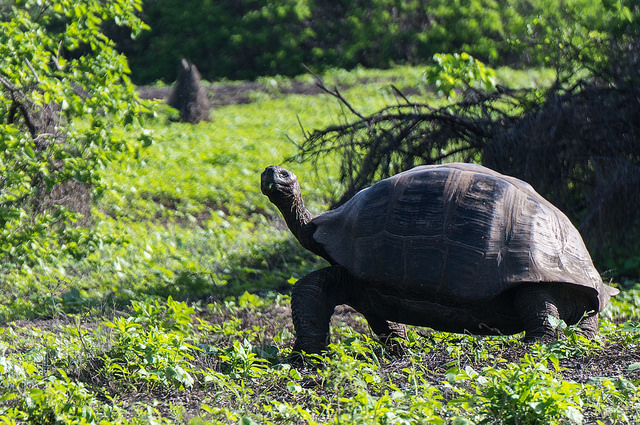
[
  {"x": 313, "y": 299},
  {"x": 535, "y": 304},
  {"x": 589, "y": 326}
]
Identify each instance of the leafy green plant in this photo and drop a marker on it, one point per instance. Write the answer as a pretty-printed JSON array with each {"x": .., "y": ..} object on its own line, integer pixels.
[
  {"x": 616, "y": 399},
  {"x": 625, "y": 306},
  {"x": 241, "y": 362},
  {"x": 453, "y": 71},
  {"x": 66, "y": 105},
  {"x": 153, "y": 347},
  {"x": 524, "y": 393}
]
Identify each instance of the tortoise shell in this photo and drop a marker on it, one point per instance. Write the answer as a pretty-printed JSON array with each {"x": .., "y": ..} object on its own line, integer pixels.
[{"x": 458, "y": 231}]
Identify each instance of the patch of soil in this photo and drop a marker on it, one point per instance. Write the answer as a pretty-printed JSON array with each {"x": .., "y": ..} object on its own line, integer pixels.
[
  {"x": 243, "y": 92},
  {"x": 221, "y": 94}
]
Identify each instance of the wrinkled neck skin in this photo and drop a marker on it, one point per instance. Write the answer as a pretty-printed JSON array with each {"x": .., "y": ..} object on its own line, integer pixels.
[
  {"x": 296, "y": 215},
  {"x": 298, "y": 219}
]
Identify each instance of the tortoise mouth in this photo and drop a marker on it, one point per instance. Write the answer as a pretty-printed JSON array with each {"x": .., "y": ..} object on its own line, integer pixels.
[
  {"x": 275, "y": 180},
  {"x": 269, "y": 187},
  {"x": 276, "y": 189}
]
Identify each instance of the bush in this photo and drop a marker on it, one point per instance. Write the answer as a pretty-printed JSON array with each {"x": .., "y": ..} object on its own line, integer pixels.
[
  {"x": 63, "y": 89},
  {"x": 243, "y": 40},
  {"x": 226, "y": 38}
]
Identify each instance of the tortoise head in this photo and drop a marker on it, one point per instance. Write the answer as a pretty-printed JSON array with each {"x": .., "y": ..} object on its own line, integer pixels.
[{"x": 278, "y": 183}]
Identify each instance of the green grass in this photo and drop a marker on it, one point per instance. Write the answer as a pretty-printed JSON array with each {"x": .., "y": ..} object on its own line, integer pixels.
[{"x": 181, "y": 312}]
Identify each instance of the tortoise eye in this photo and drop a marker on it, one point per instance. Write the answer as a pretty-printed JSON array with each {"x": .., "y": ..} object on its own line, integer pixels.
[{"x": 285, "y": 174}]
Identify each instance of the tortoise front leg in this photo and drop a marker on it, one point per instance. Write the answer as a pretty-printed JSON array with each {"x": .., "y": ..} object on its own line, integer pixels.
[{"x": 313, "y": 299}]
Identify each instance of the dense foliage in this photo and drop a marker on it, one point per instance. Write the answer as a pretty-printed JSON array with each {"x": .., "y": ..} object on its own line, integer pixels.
[
  {"x": 243, "y": 40},
  {"x": 65, "y": 99}
]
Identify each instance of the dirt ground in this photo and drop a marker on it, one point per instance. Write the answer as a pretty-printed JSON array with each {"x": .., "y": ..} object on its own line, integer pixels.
[
  {"x": 221, "y": 94},
  {"x": 243, "y": 92}
]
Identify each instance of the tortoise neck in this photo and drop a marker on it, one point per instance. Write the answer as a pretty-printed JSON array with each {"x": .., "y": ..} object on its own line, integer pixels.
[
  {"x": 298, "y": 218},
  {"x": 299, "y": 221}
]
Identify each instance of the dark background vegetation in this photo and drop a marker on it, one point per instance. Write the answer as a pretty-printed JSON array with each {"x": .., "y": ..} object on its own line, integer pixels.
[{"x": 246, "y": 39}]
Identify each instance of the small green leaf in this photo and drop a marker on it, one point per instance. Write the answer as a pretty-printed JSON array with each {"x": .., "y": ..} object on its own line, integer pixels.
[
  {"x": 245, "y": 420},
  {"x": 459, "y": 420},
  {"x": 574, "y": 414}
]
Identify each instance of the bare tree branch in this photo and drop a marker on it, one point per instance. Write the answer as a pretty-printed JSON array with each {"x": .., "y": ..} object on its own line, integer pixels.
[{"x": 33, "y": 71}]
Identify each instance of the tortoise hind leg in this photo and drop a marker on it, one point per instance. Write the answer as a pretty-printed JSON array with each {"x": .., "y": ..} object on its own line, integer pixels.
[
  {"x": 589, "y": 326},
  {"x": 386, "y": 331},
  {"x": 534, "y": 304},
  {"x": 313, "y": 299}
]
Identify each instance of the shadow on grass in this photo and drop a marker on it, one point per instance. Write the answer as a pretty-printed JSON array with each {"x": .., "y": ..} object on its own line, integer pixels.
[{"x": 266, "y": 268}]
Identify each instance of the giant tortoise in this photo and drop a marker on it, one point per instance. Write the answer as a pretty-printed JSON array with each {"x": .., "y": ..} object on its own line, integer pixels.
[{"x": 455, "y": 247}]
